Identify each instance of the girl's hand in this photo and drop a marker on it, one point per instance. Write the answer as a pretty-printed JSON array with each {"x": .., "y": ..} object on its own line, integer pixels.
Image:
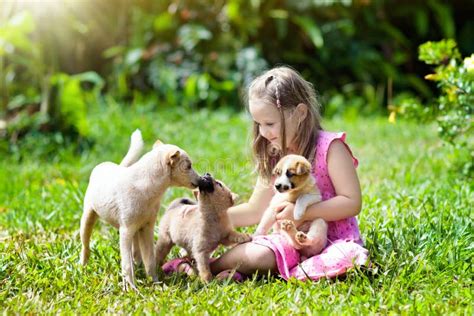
[
  {"x": 280, "y": 207},
  {"x": 285, "y": 211}
]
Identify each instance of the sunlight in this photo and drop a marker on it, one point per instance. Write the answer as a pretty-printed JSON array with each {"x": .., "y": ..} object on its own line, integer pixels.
[{"x": 36, "y": 7}]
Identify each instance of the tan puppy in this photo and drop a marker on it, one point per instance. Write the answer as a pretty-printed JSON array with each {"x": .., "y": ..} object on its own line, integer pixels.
[
  {"x": 201, "y": 229},
  {"x": 294, "y": 183},
  {"x": 128, "y": 196}
]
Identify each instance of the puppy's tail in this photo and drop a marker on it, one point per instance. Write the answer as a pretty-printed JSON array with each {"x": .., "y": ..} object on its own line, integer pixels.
[{"x": 135, "y": 150}]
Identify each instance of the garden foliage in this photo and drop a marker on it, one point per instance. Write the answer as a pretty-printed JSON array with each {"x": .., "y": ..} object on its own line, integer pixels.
[
  {"x": 58, "y": 61},
  {"x": 453, "y": 108}
]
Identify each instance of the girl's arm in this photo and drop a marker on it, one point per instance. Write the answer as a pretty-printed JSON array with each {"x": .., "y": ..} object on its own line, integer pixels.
[
  {"x": 250, "y": 213},
  {"x": 348, "y": 201}
]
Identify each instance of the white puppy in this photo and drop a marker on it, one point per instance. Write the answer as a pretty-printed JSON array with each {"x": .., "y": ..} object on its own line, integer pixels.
[
  {"x": 295, "y": 184},
  {"x": 128, "y": 195}
]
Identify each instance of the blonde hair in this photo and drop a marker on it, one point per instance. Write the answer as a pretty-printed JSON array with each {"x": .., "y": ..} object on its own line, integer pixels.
[{"x": 285, "y": 88}]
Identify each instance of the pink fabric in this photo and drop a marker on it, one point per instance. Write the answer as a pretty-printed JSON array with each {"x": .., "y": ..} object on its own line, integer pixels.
[{"x": 344, "y": 248}]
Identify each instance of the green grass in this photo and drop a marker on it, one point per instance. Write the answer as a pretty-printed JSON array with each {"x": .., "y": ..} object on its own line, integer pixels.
[{"x": 416, "y": 222}]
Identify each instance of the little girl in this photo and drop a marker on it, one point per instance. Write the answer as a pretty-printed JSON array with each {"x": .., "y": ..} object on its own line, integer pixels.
[{"x": 286, "y": 119}]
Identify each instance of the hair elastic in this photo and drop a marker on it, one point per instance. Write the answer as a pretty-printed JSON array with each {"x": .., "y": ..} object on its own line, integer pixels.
[{"x": 277, "y": 92}]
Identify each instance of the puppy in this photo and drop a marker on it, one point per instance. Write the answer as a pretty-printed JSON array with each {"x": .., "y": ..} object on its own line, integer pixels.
[
  {"x": 128, "y": 197},
  {"x": 199, "y": 230},
  {"x": 294, "y": 183}
]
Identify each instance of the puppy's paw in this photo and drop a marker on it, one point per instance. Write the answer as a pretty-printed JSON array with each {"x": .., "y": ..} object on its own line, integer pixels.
[
  {"x": 301, "y": 238},
  {"x": 129, "y": 285},
  {"x": 247, "y": 237},
  {"x": 84, "y": 257},
  {"x": 287, "y": 225},
  {"x": 206, "y": 277}
]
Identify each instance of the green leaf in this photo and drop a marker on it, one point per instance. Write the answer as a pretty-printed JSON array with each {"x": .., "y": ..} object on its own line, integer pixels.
[
  {"x": 278, "y": 14},
  {"x": 232, "y": 10},
  {"x": 163, "y": 22},
  {"x": 113, "y": 51},
  {"x": 421, "y": 22},
  {"x": 311, "y": 29},
  {"x": 72, "y": 106},
  {"x": 441, "y": 52},
  {"x": 190, "y": 87},
  {"x": 191, "y": 34},
  {"x": 394, "y": 33},
  {"x": 90, "y": 76},
  {"x": 133, "y": 56},
  {"x": 444, "y": 17}
]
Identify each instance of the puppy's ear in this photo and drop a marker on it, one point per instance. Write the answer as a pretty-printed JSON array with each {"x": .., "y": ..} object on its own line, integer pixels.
[
  {"x": 302, "y": 167},
  {"x": 173, "y": 158},
  {"x": 157, "y": 143},
  {"x": 196, "y": 194}
]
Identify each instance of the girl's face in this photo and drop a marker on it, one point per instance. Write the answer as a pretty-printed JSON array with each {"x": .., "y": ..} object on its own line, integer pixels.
[{"x": 267, "y": 116}]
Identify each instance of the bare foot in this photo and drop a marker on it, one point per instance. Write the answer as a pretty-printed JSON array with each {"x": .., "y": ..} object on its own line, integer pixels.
[{"x": 186, "y": 267}]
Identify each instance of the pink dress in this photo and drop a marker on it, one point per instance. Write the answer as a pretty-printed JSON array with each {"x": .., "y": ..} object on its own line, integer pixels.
[{"x": 345, "y": 247}]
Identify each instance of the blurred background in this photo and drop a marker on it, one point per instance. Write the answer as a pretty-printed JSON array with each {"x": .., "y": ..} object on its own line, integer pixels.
[{"x": 60, "y": 58}]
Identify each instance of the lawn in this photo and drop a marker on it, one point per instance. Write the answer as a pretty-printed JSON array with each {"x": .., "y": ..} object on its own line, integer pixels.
[{"x": 416, "y": 222}]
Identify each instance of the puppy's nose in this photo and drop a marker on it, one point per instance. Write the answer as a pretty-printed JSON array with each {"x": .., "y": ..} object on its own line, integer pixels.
[
  {"x": 205, "y": 184},
  {"x": 281, "y": 187}
]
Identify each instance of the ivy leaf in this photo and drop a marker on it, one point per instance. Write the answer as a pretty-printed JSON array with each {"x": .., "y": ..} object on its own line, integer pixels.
[{"x": 311, "y": 29}]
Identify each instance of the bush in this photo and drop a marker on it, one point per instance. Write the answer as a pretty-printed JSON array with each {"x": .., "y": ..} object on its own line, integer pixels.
[
  {"x": 454, "y": 107},
  {"x": 186, "y": 54},
  {"x": 199, "y": 53},
  {"x": 36, "y": 97}
]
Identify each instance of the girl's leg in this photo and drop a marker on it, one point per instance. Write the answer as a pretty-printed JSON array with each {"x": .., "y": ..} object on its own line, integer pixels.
[{"x": 246, "y": 258}]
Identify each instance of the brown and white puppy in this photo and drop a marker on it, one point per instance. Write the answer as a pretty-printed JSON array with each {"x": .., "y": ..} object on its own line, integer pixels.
[
  {"x": 128, "y": 196},
  {"x": 294, "y": 183},
  {"x": 199, "y": 230}
]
